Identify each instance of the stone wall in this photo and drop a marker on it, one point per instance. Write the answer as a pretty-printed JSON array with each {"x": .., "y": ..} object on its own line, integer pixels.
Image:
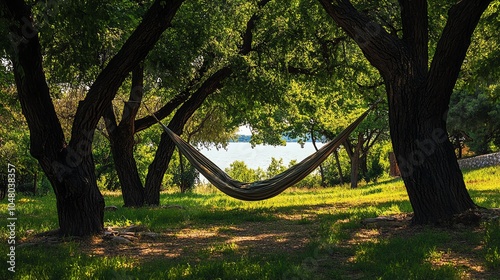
[{"x": 480, "y": 161}]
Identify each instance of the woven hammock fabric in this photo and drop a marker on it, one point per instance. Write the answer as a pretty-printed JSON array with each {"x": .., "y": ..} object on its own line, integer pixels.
[{"x": 264, "y": 189}]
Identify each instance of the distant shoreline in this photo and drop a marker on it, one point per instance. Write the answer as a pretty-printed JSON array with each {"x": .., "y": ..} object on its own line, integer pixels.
[{"x": 246, "y": 139}]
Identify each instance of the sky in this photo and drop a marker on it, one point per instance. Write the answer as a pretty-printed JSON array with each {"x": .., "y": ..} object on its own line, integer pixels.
[{"x": 244, "y": 130}]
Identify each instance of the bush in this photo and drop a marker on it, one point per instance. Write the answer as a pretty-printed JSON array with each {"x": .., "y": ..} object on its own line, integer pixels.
[
  {"x": 238, "y": 170},
  {"x": 275, "y": 167},
  {"x": 492, "y": 244},
  {"x": 376, "y": 169}
]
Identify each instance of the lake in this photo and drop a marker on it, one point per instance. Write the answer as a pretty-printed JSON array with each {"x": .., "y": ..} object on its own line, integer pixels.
[{"x": 260, "y": 155}]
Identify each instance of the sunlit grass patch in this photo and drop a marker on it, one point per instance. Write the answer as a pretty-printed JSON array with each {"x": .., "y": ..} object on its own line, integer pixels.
[
  {"x": 404, "y": 258},
  {"x": 64, "y": 261},
  {"x": 222, "y": 249},
  {"x": 492, "y": 244}
]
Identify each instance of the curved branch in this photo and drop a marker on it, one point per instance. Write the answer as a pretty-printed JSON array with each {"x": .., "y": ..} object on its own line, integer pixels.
[
  {"x": 380, "y": 48},
  {"x": 155, "y": 21},
  {"x": 451, "y": 49},
  {"x": 246, "y": 47},
  {"x": 46, "y": 135},
  {"x": 163, "y": 112}
]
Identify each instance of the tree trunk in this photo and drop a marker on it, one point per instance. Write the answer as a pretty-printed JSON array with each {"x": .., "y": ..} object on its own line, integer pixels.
[
  {"x": 419, "y": 96},
  {"x": 80, "y": 205},
  {"x": 427, "y": 162},
  {"x": 157, "y": 169},
  {"x": 184, "y": 184},
  {"x": 339, "y": 167},
  {"x": 355, "y": 161},
  {"x": 70, "y": 169},
  {"x": 122, "y": 148},
  {"x": 121, "y": 138}
]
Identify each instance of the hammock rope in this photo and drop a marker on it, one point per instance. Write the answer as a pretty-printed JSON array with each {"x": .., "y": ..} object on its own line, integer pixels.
[{"x": 263, "y": 189}]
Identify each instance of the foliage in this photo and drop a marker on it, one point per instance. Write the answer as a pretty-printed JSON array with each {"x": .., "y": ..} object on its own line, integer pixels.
[
  {"x": 475, "y": 104},
  {"x": 492, "y": 244},
  {"x": 14, "y": 139},
  {"x": 476, "y": 114},
  {"x": 185, "y": 175},
  {"x": 238, "y": 170}
]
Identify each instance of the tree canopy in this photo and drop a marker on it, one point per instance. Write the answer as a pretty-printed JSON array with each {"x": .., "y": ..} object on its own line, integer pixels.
[{"x": 302, "y": 68}]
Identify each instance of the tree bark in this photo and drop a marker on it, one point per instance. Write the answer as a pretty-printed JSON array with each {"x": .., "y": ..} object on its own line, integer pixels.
[
  {"x": 184, "y": 184},
  {"x": 339, "y": 167},
  {"x": 156, "y": 20},
  {"x": 121, "y": 138},
  {"x": 418, "y": 97},
  {"x": 355, "y": 156}
]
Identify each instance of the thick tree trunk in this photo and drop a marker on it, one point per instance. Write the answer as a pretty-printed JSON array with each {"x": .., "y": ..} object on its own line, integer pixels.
[
  {"x": 427, "y": 161},
  {"x": 80, "y": 205},
  {"x": 157, "y": 169},
  {"x": 70, "y": 169},
  {"x": 419, "y": 96}
]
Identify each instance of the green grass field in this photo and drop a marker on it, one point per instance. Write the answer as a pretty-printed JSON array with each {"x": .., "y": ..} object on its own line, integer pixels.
[{"x": 300, "y": 234}]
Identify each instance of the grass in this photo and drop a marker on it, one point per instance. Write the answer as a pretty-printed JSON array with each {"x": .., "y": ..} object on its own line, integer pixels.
[{"x": 300, "y": 234}]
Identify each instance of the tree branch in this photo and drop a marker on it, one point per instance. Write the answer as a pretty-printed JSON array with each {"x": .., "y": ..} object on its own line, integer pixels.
[
  {"x": 187, "y": 109},
  {"x": 131, "y": 107},
  {"x": 46, "y": 135},
  {"x": 168, "y": 108},
  {"x": 246, "y": 47},
  {"x": 135, "y": 49},
  {"x": 163, "y": 112},
  {"x": 110, "y": 119},
  {"x": 451, "y": 49},
  {"x": 380, "y": 48}
]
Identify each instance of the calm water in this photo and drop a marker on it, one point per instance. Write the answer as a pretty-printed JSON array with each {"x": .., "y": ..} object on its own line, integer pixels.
[{"x": 259, "y": 156}]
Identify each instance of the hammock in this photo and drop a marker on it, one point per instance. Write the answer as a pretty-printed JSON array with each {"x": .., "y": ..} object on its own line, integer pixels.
[{"x": 264, "y": 189}]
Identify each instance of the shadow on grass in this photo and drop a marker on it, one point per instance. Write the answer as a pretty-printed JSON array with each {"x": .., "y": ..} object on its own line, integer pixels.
[{"x": 228, "y": 240}]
